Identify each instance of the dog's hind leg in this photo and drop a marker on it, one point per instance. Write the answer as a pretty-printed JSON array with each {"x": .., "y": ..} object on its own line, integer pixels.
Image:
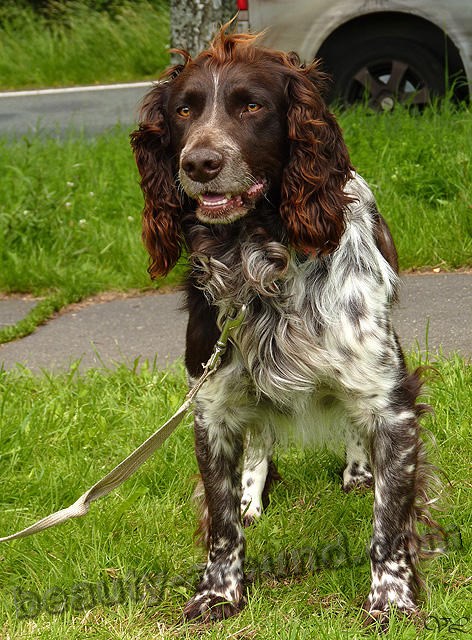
[
  {"x": 259, "y": 474},
  {"x": 357, "y": 474}
]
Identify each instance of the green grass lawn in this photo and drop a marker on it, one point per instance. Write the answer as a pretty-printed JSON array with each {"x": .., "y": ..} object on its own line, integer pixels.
[
  {"x": 126, "y": 569},
  {"x": 420, "y": 169},
  {"x": 70, "y": 215},
  {"x": 76, "y": 44}
]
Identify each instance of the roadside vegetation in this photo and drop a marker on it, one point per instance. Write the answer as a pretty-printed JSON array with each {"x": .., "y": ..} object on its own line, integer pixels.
[
  {"x": 420, "y": 169},
  {"x": 69, "y": 221},
  {"x": 79, "y": 43}
]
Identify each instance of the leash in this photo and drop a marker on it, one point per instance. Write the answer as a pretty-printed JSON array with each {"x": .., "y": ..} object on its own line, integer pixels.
[{"x": 129, "y": 465}]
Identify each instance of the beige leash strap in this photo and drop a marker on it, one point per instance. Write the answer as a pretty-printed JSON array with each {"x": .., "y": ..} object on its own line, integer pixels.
[{"x": 129, "y": 465}]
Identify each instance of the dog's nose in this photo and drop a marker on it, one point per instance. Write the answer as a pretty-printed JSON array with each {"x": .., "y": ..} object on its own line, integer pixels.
[{"x": 202, "y": 165}]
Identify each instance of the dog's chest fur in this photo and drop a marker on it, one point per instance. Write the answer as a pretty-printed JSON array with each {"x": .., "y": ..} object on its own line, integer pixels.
[{"x": 313, "y": 326}]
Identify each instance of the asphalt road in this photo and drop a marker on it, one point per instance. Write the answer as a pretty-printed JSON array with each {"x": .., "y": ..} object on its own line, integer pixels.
[
  {"x": 435, "y": 312},
  {"x": 53, "y": 111}
]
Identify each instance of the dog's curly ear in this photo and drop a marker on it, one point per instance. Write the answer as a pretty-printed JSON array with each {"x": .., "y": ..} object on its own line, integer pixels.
[
  {"x": 162, "y": 235},
  {"x": 313, "y": 201}
]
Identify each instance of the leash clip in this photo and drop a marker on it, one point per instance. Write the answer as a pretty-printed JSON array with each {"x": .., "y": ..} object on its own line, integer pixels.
[{"x": 232, "y": 322}]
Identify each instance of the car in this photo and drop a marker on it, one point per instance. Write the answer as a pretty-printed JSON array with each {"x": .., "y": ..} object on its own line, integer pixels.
[{"x": 380, "y": 51}]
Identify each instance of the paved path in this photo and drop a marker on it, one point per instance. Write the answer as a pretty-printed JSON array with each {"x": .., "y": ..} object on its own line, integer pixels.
[
  {"x": 435, "y": 310},
  {"x": 54, "y": 111}
]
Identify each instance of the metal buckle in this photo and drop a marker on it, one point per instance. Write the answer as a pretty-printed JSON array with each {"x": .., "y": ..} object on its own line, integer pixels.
[{"x": 231, "y": 323}]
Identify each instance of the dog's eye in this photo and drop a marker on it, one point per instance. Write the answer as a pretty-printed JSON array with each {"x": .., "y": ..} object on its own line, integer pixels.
[
  {"x": 183, "y": 111},
  {"x": 252, "y": 107}
]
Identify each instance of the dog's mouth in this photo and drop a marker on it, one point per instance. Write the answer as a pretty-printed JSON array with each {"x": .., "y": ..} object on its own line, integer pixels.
[{"x": 226, "y": 207}]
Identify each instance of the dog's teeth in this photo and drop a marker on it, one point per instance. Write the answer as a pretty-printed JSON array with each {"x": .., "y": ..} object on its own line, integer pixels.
[{"x": 213, "y": 202}]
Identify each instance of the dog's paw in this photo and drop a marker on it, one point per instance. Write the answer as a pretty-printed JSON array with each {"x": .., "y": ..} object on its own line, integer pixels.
[
  {"x": 209, "y": 606},
  {"x": 381, "y": 617},
  {"x": 375, "y": 617},
  {"x": 251, "y": 510},
  {"x": 357, "y": 476},
  {"x": 383, "y": 602}
]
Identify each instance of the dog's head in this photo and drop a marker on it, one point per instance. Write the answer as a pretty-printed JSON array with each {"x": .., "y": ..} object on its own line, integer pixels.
[{"x": 234, "y": 125}]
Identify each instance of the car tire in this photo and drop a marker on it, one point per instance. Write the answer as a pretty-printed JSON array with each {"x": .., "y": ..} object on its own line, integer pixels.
[{"x": 383, "y": 72}]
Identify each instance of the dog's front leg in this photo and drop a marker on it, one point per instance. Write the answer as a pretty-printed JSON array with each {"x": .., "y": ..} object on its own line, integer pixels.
[
  {"x": 219, "y": 454},
  {"x": 397, "y": 460}
]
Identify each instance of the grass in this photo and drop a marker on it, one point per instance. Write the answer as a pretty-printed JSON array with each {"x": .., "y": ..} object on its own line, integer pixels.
[
  {"x": 126, "y": 570},
  {"x": 420, "y": 169},
  {"x": 69, "y": 221},
  {"x": 70, "y": 215},
  {"x": 80, "y": 45}
]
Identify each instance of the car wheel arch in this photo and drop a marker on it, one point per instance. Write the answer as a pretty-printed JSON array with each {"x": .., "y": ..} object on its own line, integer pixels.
[{"x": 404, "y": 26}]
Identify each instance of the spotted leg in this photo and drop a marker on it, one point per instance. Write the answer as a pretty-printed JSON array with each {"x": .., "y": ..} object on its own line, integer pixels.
[
  {"x": 397, "y": 459},
  {"x": 219, "y": 454},
  {"x": 259, "y": 474},
  {"x": 253, "y": 482},
  {"x": 357, "y": 474}
]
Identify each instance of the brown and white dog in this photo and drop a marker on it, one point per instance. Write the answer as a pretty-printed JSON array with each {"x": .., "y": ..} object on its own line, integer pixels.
[{"x": 244, "y": 167}]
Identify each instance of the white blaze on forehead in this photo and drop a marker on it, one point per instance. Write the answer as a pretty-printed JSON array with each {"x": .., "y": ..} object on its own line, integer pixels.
[
  {"x": 211, "y": 128},
  {"x": 216, "y": 88}
]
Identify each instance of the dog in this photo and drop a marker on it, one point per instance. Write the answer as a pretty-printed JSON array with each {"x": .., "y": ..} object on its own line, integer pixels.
[{"x": 243, "y": 166}]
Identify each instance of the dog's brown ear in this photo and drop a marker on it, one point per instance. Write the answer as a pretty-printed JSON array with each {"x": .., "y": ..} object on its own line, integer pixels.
[
  {"x": 313, "y": 201},
  {"x": 161, "y": 215}
]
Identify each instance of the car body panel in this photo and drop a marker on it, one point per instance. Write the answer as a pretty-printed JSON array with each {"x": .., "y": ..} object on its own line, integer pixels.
[{"x": 303, "y": 26}]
